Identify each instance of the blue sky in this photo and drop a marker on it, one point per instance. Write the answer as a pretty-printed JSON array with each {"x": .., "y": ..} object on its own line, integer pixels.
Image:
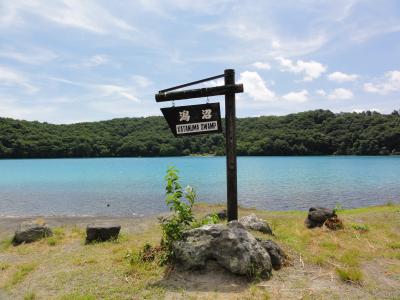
[{"x": 72, "y": 61}]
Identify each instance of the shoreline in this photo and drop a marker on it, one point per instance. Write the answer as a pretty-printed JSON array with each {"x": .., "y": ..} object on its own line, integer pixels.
[
  {"x": 199, "y": 156},
  {"x": 220, "y": 205},
  {"x": 8, "y": 224}
]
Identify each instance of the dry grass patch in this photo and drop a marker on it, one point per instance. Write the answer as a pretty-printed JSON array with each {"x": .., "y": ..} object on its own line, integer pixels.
[{"x": 20, "y": 273}]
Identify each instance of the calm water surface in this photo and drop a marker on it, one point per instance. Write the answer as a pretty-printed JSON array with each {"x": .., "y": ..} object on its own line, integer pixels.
[{"x": 135, "y": 186}]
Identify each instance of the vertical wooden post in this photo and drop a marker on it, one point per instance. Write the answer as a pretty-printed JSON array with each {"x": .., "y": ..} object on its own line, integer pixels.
[{"x": 230, "y": 135}]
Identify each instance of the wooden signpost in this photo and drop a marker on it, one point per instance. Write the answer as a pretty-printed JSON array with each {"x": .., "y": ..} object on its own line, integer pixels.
[{"x": 206, "y": 118}]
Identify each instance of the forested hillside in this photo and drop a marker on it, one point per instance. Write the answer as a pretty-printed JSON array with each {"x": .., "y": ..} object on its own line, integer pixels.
[{"x": 318, "y": 132}]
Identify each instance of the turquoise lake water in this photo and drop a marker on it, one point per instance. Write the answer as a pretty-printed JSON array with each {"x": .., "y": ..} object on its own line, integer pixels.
[{"x": 135, "y": 186}]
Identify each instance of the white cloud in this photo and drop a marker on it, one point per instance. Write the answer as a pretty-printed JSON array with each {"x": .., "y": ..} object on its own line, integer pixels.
[
  {"x": 11, "y": 108},
  {"x": 320, "y": 92},
  {"x": 294, "y": 46},
  {"x": 216, "y": 82},
  {"x": 108, "y": 90},
  {"x": 129, "y": 91},
  {"x": 86, "y": 15},
  {"x": 360, "y": 110},
  {"x": 310, "y": 69},
  {"x": 375, "y": 28},
  {"x": 390, "y": 83},
  {"x": 96, "y": 60},
  {"x": 340, "y": 94},
  {"x": 301, "y": 96},
  {"x": 10, "y": 77},
  {"x": 262, "y": 65},
  {"x": 255, "y": 86},
  {"x": 142, "y": 81},
  {"x": 260, "y": 36},
  {"x": 342, "y": 77},
  {"x": 275, "y": 44},
  {"x": 336, "y": 94},
  {"x": 34, "y": 56}
]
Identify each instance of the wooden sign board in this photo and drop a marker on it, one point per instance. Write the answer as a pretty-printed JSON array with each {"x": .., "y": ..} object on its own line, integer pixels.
[{"x": 193, "y": 119}]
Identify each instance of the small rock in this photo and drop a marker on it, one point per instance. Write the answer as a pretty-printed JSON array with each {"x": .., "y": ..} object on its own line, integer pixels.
[
  {"x": 275, "y": 252},
  {"x": 231, "y": 246},
  {"x": 101, "y": 233},
  {"x": 222, "y": 214},
  {"x": 317, "y": 216},
  {"x": 30, "y": 232},
  {"x": 254, "y": 223}
]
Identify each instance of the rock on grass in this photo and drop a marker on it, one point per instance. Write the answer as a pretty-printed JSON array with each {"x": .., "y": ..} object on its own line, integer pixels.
[
  {"x": 231, "y": 246},
  {"x": 102, "y": 232},
  {"x": 317, "y": 216},
  {"x": 254, "y": 223},
  {"x": 30, "y": 232},
  {"x": 278, "y": 257}
]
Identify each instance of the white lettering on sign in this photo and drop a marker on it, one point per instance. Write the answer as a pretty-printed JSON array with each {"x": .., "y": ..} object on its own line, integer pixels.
[
  {"x": 196, "y": 127},
  {"x": 184, "y": 116},
  {"x": 206, "y": 114}
]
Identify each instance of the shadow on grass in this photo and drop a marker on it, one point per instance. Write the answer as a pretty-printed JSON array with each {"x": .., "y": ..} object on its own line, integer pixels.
[{"x": 212, "y": 279}]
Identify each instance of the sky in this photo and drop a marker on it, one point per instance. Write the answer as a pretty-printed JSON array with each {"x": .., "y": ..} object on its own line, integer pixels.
[{"x": 67, "y": 61}]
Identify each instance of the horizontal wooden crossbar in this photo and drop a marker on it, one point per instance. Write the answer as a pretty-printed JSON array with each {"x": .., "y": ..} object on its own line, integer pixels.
[
  {"x": 200, "y": 93},
  {"x": 191, "y": 83}
]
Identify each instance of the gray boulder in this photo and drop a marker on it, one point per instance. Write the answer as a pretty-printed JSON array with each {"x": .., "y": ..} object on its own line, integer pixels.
[
  {"x": 231, "y": 246},
  {"x": 277, "y": 255},
  {"x": 30, "y": 232},
  {"x": 254, "y": 223},
  {"x": 317, "y": 216},
  {"x": 102, "y": 232}
]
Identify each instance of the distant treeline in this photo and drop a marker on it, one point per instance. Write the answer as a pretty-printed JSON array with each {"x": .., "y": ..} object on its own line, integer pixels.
[{"x": 318, "y": 132}]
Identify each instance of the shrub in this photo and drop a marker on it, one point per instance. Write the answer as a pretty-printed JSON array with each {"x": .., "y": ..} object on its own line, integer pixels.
[
  {"x": 210, "y": 219},
  {"x": 338, "y": 207},
  {"x": 352, "y": 275},
  {"x": 394, "y": 245},
  {"x": 180, "y": 203},
  {"x": 51, "y": 241},
  {"x": 30, "y": 296},
  {"x": 360, "y": 227}
]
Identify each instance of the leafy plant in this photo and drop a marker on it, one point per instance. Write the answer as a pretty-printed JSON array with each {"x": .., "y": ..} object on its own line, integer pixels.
[
  {"x": 360, "y": 227},
  {"x": 210, "y": 219},
  {"x": 180, "y": 202},
  {"x": 338, "y": 207}
]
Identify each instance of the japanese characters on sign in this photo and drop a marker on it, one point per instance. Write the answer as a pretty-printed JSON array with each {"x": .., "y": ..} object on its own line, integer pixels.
[{"x": 193, "y": 119}]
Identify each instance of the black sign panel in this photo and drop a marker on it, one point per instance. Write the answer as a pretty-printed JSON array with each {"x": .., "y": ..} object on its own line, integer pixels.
[{"x": 193, "y": 119}]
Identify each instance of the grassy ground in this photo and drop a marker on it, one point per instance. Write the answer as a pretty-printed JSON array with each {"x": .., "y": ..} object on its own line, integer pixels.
[{"x": 360, "y": 262}]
